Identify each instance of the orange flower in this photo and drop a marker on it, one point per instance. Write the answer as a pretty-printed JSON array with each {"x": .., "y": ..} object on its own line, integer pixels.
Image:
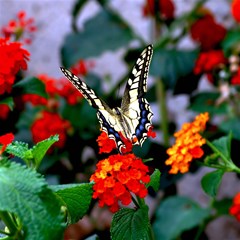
[
  {"x": 117, "y": 177},
  {"x": 187, "y": 145},
  {"x": 235, "y": 208},
  {"x": 106, "y": 145}
]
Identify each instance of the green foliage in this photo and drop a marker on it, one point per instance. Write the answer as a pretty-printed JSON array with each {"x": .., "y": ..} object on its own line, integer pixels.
[
  {"x": 223, "y": 145},
  {"x": 8, "y": 101},
  {"x": 211, "y": 181},
  {"x": 103, "y": 28},
  {"x": 206, "y": 102},
  {"x": 31, "y": 85},
  {"x": 137, "y": 219},
  {"x": 232, "y": 125},
  {"x": 176, "y": 215},
  {"x": 33, "y": 156},
  {"x": 222, "y": 206},
  {"x": 76, "y": 198},
  {"x": 230, "y": 41},
  {"x": 155, "y": 180},
  {"x": 171, "y": 64},
  {"x": 25, "y": 193}
]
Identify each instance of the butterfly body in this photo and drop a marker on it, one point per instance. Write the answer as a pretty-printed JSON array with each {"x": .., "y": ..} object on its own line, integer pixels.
[{"x": 133, "y": 119}]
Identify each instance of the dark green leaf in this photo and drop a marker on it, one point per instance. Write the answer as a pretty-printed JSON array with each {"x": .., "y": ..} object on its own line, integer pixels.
[
  {"x": 8, "y": 101},
  {"x": 231, "y": 125},
  {"x": 170, "y": 65},
  {"x": 40, "y": 149},
  {"x": 76, "y": 198},
  {"x": 230, "y": 41},
  {"x": 105, "y": 31},
  {"x": 176, "y": 215},
  {"x": 77, "y": 7},
  {"x": 211, "y": 181},
  {"x": 25, "y": 193},
  {"x": 223, "y": 145},
  {"x": 222, "y": 206},
  {"x": 206, "y": 102},
  {"x": 155, "y": 180},
  {"x": 130, "y": 224},
  {"x": 30, "y": 85}
]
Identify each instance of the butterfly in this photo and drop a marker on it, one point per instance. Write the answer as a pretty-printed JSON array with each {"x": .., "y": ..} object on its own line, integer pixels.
[{"x": 134, "y": 118}]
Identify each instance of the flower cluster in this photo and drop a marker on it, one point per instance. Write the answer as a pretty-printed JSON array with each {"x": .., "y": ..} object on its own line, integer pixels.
[
  {"x": 5, "y": 140},
  {"x": 235, "y": 8},
  {"x": 235, "y": 208},
  {"x": 4, "y": 111},
  {"x": 20, "y": 27},
  {"x": 117, "y": 177},
  {"x": 13, "y": 58},
  {"x": 202, "y": 32},
  {"x": 188, "y": 145},
  {"x": 48, "y": 124},
  {"x": 164, "y": 9}
]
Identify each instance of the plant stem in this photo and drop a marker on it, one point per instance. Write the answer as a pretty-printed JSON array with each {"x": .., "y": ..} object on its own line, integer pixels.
[
  {"x": 161, "y": 99},
  {"x": 8, "y": 220}
]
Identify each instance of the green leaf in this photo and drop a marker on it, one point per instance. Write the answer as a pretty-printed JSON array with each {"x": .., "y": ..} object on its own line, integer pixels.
[
  {"x": 8, "y": 101},
  {"x": 171, "y": 64},
  {"x": 230, "y": 41},
  {"x": 105, "y": 31},
  {"x": 78, "y": 5},
  {"x": 30, "y": 85},
  {"x": 20, "y": 149},
  {"x": 76, "y": 198},
  {"x": 131, "y": 224},
  {"x": 176, "y": 215},
  {"x": 25, "y": 193},
  {"x": 211, "y": 181},
  {"x": 155, "y": 180},
  {"x": 40, "y": 149},
  {"x": 222, "y": 206},
  {"x": 223, "y": 145},
  {"x": 206, "y": 102},
  {"x": 232, "y": 125}
]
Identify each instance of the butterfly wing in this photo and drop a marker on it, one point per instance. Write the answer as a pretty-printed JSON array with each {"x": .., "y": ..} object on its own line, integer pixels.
[
  {"x": 109, "y": 121},
  {"x": 136, "y": 109}
]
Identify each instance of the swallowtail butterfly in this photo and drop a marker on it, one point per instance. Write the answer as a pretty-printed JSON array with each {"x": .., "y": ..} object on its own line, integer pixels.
[{"x": 133, "y": 118}]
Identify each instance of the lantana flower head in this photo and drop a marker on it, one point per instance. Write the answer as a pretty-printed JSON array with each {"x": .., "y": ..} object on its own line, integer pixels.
[
  {"x": 48, "y": 124},
  {"x": 13, "y": 58},
  {"x": 235, "y": 8},
  {"x": 21, "y": 26},
  {"x": 187, "y": 145},
  {"x": 235, "y": 208},
  {"x": 5, "y": 140},
  {"x": 117, "y": 178}
]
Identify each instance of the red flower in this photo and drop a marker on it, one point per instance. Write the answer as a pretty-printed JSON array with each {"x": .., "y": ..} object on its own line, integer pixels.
[
  {"x": 68, "y": 91},
  {"x": 235, "y": 208},
  {"x": 81, "y": 67},
  {"x": 235, "y": 8},
  {"x": 34, "y": 99},
  {"x": 236, "y": 78},
  {"x": 49, "y": 124},
  {"x": 13, "y": 58},
  {"x": 117, "y": 177},
  {"x": 50, "y": 84},
  {"x": 106, "y": 145},
  {"x": 165, "y": 9},
  {"x": 20, "y": 27},
  {"x": 151, "y": 133},
  {"x": 5, "y": 140},
  {"x": 4, "y": 111},
  {"x": 207, "y": 32},
  {"x": 208, "y": 61}
]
